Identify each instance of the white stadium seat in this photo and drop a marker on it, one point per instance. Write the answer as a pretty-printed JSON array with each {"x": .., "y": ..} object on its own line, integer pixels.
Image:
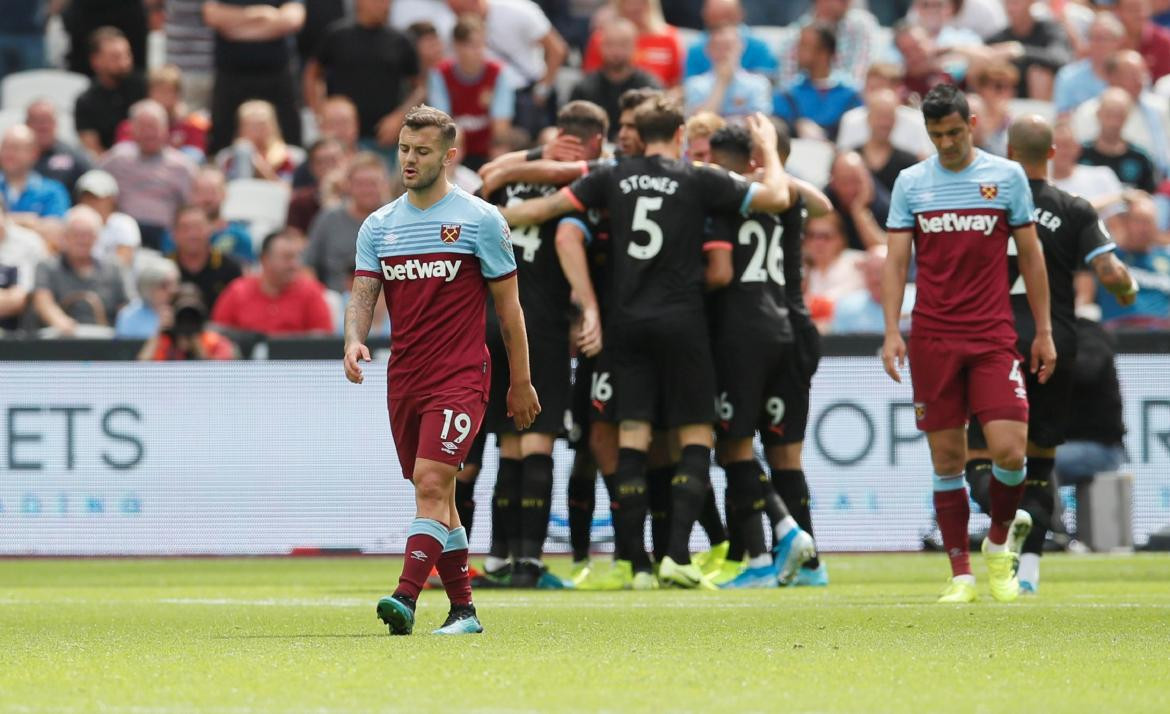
[
  {"x": 811, "y": 160},
  {"x": 18, "y": 90},
  {"x": 262, "y": 204},
  {"x": 1023, "y": 107}
]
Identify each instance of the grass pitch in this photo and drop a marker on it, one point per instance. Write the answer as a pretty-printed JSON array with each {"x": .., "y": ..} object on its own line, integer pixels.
[{"x": 293, "y": 635}]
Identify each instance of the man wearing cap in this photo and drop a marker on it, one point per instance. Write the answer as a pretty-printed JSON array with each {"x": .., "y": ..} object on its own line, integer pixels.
[{"x": 120, "y": 238}]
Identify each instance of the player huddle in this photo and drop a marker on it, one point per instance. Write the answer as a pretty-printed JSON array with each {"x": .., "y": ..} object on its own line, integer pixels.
[{"x": 678, "y": 287}]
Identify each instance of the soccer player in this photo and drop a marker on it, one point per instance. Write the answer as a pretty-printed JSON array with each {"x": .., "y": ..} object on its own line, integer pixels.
[
  {"x": 658, "y": 205},
  {"x": 958, "y": 210},
  {"x": 435, "y": 252},
  {"x": 1073, "y": 237},
  {"x": 756, "y": 367},
  {"x": 544, "y": 296}
]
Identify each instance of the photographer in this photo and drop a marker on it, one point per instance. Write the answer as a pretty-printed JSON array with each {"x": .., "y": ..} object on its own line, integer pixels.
[{"x": 182, "y": 333}]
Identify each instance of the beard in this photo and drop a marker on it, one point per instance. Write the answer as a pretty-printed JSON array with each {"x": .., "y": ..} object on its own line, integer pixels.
[{"x": 423, "y": 179}]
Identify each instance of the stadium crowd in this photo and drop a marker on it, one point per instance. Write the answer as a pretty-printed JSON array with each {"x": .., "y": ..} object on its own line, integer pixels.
[{"x": 163, "y": 155}]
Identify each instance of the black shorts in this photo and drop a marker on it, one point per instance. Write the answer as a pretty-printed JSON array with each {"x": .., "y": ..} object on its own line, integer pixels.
[
  {"x": 548, "y": 360},
  {"x": 755, "y": 387},
  {"x": 1049, "y": 406},
  {"x": 663, "y": 371},
  {"x": 474, "y": 455},
  {"x": 797, "y": 383},
  {"x": 497, "y": 409}
]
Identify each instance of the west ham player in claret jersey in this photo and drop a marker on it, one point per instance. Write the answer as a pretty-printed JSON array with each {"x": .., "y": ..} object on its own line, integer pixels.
[
  {"x": 435, "y": 252},
  {"x": 661, "y": 353},
  {"x": 1074, "y": 238},
  {"x": 958, "y": 209}
]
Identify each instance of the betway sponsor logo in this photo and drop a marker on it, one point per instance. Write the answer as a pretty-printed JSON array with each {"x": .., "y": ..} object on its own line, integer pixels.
[
  {"x": 415, "y": 269},
  {"x": 958, "y": 223}
]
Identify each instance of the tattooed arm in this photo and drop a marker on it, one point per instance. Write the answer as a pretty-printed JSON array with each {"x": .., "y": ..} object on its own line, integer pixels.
[{"x": 358, "y": 317}]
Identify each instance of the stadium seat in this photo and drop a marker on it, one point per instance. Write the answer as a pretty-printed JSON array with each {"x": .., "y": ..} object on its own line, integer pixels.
[
  {"x": 686, "y": 37},
  {"x": 1162, "y": 87},
  {"x": 262, "y": 204},
  {"x": 309, "y": 130},
  {"x": 777, "y": 37},
  {"x": 61, "y": 88},
  {"x": 811, "y": 160},
  {"x": 909, "y": 131},
  {"x": 567, "y": 78},
  {"x": 1021, "y": 107},
  {"x": 10, "y": 118},
  {"x": 65, "y": 129}
]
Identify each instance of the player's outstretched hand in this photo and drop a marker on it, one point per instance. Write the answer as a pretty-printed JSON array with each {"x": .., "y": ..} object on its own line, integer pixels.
[
  {"x": 589, "y": 339},
  {"x": 894, "y": 356},
  {"x": 523, "y": 405},
  {"x": 357, "y": 352},
  {"x": 763, "y": 132},
  {"x": 1043, "y": 357}
]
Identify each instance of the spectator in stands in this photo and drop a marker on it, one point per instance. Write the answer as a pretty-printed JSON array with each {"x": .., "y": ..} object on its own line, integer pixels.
[
  {"x": 115, "y": 87},
  {"x": 232, "y": 238},
  {"x": 279, "y": 299},
  {"x": 119, "y": 239},
  {"x": 362, "y": 58},
  {"x": 22, "y": 37},
  {"x": 883, "y": 159},
  {"x": 190, "y": 46},
  {"x": 1098, "y": 184},
  {"x": 33, "y": 201},
  {"x": 154, "y": 179},
  {"x": 1085, "y": 79},
  {"x": 862, "y": 205},
  {"x": 1149, "y": 123},
  {"x": 1131, "y": 165},
  {"x": 1096, "y": 428},
  {"x": 326, "y": 164},
  {"x": 457, "y": 172},
  {"x": 188, "y": 130},
  {"x": 56, "y": 159},
  {"x": 1149, "y": 264},
  {"x": 756, "y": 56},
  {"x": 74, "y": 288},
  {"x": 339, "y": 121},
  {"x": 476, "y": 91},
  {"x": 617, "y": 73},
  {"x": 259, "y": 150},
  {"x": 699, "y": 129},
  {"x": 921, "y": 67},
  {"x": 728, "y": 89},
  {"x": 253, "y": 61},
  {"x": 82, "y": 18},
  {"x": 909, "y": 131},
  {"x": 1145, "y": 36},
  {"x": 985, "y": 18},
  {"x": 855, "y": 29},
  {"x": 158, "y": 283},
  {"x": 200, "y": 263},
  {"x": 658, "y": 48},
  {"x": 959, "y": 45},
  {"x": 996, "y": 84},
  {"x": 1045, "y": 48},
  {"x": 182, "y": 333},
  {"x": 814, "y": 104},
  {"x": 21, "y": 251},
  {"x": 834, "y": 269},
  {"x": 332, "y": 248},
  {"x": 860, "y": 312},
  {"x": 427, "y": 44}
]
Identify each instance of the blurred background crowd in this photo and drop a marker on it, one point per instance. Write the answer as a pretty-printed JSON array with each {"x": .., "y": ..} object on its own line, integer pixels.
[{"x": 172, "y": 166}]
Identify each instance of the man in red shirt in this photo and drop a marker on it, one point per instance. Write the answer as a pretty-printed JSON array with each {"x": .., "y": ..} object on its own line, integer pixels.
[
  {"x": 278, "y": 300},
  {"x": 1143, "y": 35}
]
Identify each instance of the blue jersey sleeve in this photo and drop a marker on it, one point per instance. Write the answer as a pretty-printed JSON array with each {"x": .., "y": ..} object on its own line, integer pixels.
[
  {"x": 900, "y": 218},
  {"x": 1020, "y": 206},
  {"x": 493, "y": 247},
  {"x": 367, "y": 255}
]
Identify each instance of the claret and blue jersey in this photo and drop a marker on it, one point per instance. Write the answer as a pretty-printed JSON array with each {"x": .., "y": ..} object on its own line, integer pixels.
[
  {"x": 961, "y": 222},
  {"x": 434, "y": 265}
]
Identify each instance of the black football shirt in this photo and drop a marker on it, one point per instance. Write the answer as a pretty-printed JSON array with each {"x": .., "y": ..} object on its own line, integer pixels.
[{"x": 754, "y": 305}]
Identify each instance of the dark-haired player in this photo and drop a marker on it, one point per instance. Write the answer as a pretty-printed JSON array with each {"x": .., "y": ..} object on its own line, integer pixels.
[
  {"x": 958, "y": 209},
  {"x": 435, "y": 252},
  {"x": 1073, "y": 238},
  {"x": 657, "y": 206}
]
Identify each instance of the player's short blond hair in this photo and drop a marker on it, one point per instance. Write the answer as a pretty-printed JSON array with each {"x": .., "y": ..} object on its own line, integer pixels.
[
  {"x": 422, "y": 116},
  {"x": 704, "y": 124}
]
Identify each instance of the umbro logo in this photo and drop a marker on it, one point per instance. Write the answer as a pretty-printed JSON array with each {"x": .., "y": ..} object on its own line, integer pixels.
[
  {"x": 450, "y": 447},
  {"x": 463, "y": 569},
  {"x": 391, "y": 238},
  {"x": 418, "y": 555}
]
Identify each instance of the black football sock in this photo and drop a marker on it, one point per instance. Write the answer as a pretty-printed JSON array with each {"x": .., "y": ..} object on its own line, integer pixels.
[
  {"x": 689, "y": 487},
  {"x": 979, "y": 481},
  {"x": 1039, "y": 501},
  {"x": 632, "y": 501},
  {"x": 610, "y": 481},
  {"x": 792, "y": 488},
  {"x": 581, "y": 501},
  {"x": 658, "y": 485},
  {"x": 506, "y": 510},
  {"x": 745, "y": 493},
  {"x": 535, "y": 503},
  {"x": 710, "y": 520},
  {"x": 465, "y": 503}
]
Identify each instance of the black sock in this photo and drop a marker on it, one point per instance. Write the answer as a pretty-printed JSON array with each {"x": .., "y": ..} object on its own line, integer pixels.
[
  {"x": 506, "y": 510},
  {"x": 1039, "y": 501},
  {"x": 792, "y": 488},
  {"x": 632, "y": 499},
  {"x": 687, "y": 491},
  {"x": 709, "y": 518},
  {"x": 979, "y": 480},
  {"x": 746, "y": 496},
  {"x": 465, "y": 503},
  {"x": 735, "y": 545},
  {"x": 535, "y": 504},
  {"x": 610, "y": 481},
  {"x": 658, "y": 485},
  {"x": 581, "y": 501}
]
